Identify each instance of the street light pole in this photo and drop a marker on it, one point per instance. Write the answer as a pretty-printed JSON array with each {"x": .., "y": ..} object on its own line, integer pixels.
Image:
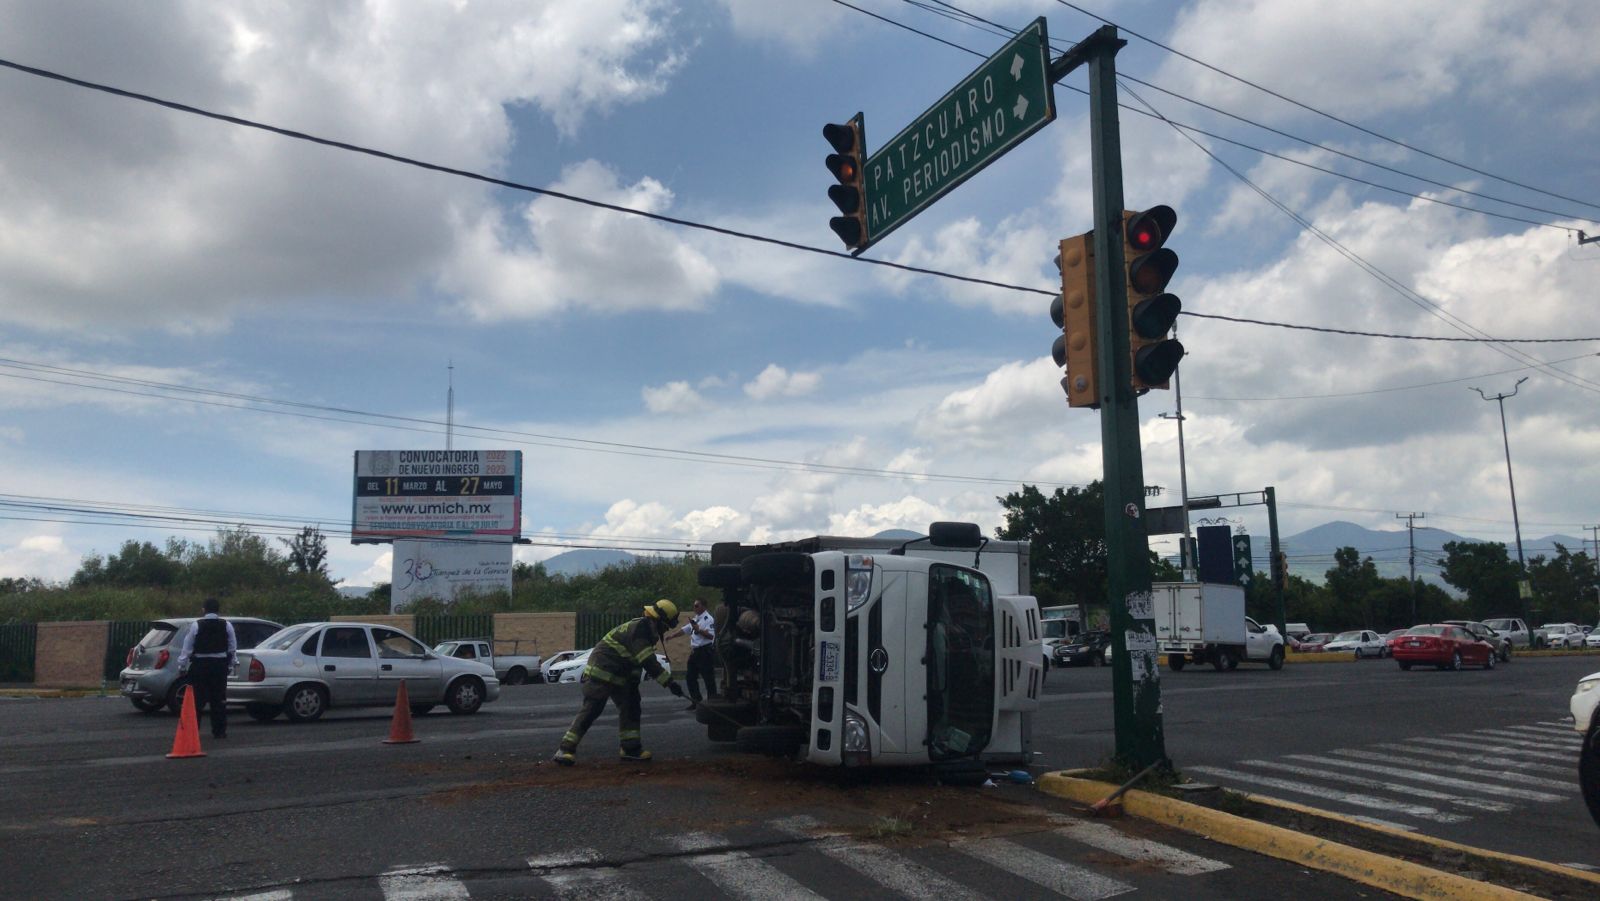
[
  {"x": 1516, "y": 523},
  {"x": 1183, "y": 473}
]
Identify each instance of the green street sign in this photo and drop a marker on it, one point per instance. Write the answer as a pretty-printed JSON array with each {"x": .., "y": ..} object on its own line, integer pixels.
[
  {"x": 1006, "y": 99},
  {"x": 1243, "y": 567}
]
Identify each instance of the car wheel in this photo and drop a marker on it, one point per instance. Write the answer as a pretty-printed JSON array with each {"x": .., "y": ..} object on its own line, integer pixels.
[
  {"x": 421, "y": 709},
  {"x": 175, "y": 696},
  {"x": 305, "y": 703},
  {"x": 516, "y": 676},
  {"x": 1589, "y": 771},
  {"x": 1505, "y": 654},
  {"x": 1275, "y": 660},
  {"x": 1488, "y": 660},
  {"x": 1455, "y": 662},
  {"x": 1175, "y": 662},
  {"x": 263, "y": 713},
  {"x": 147, "y": 705},
  {"x": 1223, "y": 661},
  {"x": 1404, "y": 664},
  {"x": 465, "y": 696}
]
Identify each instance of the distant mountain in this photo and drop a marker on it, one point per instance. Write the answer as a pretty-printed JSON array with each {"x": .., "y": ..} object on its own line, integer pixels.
[
  {"x": 898, "y": 534},
  {"x": 1311, "y": 552},
  {"x": 581, "y": 562}
]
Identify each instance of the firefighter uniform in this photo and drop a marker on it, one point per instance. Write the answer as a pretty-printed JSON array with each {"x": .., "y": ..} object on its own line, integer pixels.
[{"x": 613, "y": 674}]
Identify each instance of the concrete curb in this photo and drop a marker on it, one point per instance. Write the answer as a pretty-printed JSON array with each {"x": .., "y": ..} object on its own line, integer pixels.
[
  {"x": 52, "y": 692},
  {"x": 1402, "y": 877},
  {"x": 1350, "y": 657}
]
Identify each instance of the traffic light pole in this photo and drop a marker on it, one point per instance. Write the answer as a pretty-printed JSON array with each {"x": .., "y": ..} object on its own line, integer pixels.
[
  {"x": 1135, "y": 677},
  {"x": 1270, "y": 496}
]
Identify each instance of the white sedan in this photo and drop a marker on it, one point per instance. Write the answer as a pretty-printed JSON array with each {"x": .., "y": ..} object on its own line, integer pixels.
[
  {"x": 551, "y": 668},
  {"x": 1592, "y": 640},
  {"x": 1562, "y": 635},
  {"x": 1584, "y": 701},
  {"x": 1364, "y": 642},
  {"x": 571, "y": 670}
]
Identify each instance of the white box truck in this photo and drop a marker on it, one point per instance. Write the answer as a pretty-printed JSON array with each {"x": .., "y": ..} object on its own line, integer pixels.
[
  {"x": 856, "y": 652},
  {"x": 1204, "y": 622}
]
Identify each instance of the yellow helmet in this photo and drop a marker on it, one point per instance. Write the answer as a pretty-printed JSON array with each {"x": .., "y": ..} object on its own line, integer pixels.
[{"x": 664, "y": 611}]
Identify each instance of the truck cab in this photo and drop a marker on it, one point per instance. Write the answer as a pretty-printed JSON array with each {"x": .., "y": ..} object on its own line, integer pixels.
[{"x": 844, "y": 658}]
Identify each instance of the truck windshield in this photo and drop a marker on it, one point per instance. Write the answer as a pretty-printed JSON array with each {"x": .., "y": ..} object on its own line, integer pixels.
[{"x": 960, "y": 662}]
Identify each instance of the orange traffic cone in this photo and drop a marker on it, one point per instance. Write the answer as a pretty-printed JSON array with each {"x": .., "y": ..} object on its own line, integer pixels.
[
  {"x": 400, "y": 727},
  {"x": 187, "y": 742}
]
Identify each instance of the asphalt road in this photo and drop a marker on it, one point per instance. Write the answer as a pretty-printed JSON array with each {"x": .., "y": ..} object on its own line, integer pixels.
[{"x": 90, "y": 807}]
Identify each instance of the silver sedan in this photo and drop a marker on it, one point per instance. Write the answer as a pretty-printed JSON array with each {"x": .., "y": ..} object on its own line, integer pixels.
[{"x": 306, "y": 669}]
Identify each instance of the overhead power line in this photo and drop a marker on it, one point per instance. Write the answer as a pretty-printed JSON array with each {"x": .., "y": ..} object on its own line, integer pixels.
[{"x": 586, "y": 201}]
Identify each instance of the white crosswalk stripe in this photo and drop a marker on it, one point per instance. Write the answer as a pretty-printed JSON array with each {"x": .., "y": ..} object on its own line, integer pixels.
[
  {"x": 1494, "y": 748},
  {"x": 1517, "y": 790},
  {"x": 890, "y": 870},
  {"x": 1507, "y": 736},
  {"x": 1107, "y": 838},
  {"x": 1355, "y": 799},
  {"x": 1362, "y": 782},
  {"x": 736, "y": 873},
  {"x": 1043, "y": 870},
  {"x": 1482, "y": 759},
  {"x": 282, "y": 894},
  {"x": 574, "y": 874},
  {"x": 1546, "y": 730},
  {"x": 1417, "y": 775},
  {"x": 430, "y": 882}
]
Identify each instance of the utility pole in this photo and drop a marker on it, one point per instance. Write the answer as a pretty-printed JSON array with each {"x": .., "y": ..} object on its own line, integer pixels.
[
  {"x": 1594, "y": 532},
  {"x": 1522, "y": 565},
  {"x": 450, "y": 407},
  {"x": 1184, "y": 555},
  {"x": 1411, "y": 539}
]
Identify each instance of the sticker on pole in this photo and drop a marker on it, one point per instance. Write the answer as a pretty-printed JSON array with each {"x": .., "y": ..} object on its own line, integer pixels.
[{"x": 1140, "y": 605}]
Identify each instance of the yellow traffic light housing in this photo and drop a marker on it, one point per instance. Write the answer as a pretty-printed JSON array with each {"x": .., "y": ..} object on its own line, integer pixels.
[
  {"x": 1077, "y": 347},
  {"x": 850, "y": 194},
  {"x": 1151, "y": 311}
]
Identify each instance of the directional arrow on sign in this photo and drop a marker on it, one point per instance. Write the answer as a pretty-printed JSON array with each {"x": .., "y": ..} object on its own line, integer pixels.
[
  {"x": 1016, "y": 67},
  {"x": 1021, "y": 109}
]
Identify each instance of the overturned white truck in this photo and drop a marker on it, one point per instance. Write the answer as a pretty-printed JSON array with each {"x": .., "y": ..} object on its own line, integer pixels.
[{"x": 857, "y": 652}]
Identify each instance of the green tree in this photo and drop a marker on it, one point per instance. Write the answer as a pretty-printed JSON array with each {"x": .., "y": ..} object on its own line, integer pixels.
[
  {"x": 234, "y": 560},
  {"x": 139, "y": 564},
  {"x": 1565, "y": 585},
  {"x": 1488, "y": 577},
  {"x": 308, "y": 553},
  {"x": 1351, "y": 584},
  {"x": 1066, "y": 532}
]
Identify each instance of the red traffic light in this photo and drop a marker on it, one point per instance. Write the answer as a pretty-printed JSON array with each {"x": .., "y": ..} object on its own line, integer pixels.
[{"x": 1149, "y": 230}]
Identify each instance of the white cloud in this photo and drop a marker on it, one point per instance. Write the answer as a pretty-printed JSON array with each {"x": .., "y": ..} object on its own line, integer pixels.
[
  {"x": 38, "y": 556},
  {"x": 381, "y": 570},
  {"x": 673, "y": 397},
  {"x": 775, "y": 381}
]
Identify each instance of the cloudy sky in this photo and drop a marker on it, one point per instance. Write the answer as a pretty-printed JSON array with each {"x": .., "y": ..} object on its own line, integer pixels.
[{"x": 202, "y": 321}]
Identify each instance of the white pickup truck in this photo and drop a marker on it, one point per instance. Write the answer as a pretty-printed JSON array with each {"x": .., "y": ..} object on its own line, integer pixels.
[{"x": 512, "y": 669}]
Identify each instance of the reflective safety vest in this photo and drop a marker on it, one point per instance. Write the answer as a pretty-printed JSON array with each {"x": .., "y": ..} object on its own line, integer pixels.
[{"x": 624, "y": 651}]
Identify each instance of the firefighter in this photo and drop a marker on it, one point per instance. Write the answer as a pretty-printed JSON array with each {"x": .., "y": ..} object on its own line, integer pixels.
[{"x": 613, "y": 674}]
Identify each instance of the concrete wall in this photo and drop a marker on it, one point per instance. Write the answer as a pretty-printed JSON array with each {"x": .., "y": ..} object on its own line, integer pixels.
[
  {"x": 534, "y": 633},
  {"x": 70, "y": 655}
]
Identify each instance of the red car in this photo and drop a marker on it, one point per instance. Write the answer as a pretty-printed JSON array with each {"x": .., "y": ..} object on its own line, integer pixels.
[{"x": 1444, "y": 646}]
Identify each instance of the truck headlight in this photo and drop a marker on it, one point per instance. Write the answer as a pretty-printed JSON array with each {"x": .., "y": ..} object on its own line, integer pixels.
[
  {"x": 1588, "y": 685},
  {"x": 857, "y": 580},
  {"x": 855, "y": 734}
]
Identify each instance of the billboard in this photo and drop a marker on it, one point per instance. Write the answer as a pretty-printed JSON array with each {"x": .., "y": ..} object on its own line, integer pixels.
[
  {"x": 443, "y": 569},
  {"x": 436, "y": 493}
]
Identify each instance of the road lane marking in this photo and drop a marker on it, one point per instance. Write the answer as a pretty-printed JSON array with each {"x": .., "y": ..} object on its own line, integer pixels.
[
  {"x": 1497, "y": 749},
  {"x": 890, "y": 870},
  {"x": 430, "y": 882},
  {"x": 1043, "y": 870},
  {"x": 1530, "y": 741},
  {"x": 1519, "y": 779},
  {"x": 737, "y": 873},
  {"x": 1107, "y": 838},
  {"x": 1539, "y": 731},
  {"x": 1332, "y": 794},
  {"x": 1428, "y": 794},
  {"x": 1418, "y": 776},
  {"x": 1482, "y": 759},
  {"x": 284, "y": 894}
]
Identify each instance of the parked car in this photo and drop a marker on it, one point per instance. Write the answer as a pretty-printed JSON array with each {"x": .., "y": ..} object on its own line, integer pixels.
[
  {"x": 1314, "y": 642},
  {"x": 571, "y": 670},
  {"x": 549, "y": 668},
  {"x": 1592, "y": 640},
  {"x": 1389, "y": 639},
  {"x": 1562, "y": 635},
  {"x": 1500, "y": 643},
  {"x": 1443, "y": 645},
  {"x": 1088, "y": 648},
  {"x": 150, "y": 677},
  {"x": 510, "y": 669},
  {"x": 1515, "y": 630},
  {"x": 1364, "y": 642},
  {"x": 306, "y": 669},
  {"x": 1584, "y": 700}
]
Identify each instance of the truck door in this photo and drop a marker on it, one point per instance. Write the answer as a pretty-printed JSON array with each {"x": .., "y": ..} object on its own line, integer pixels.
[{"x": 891, "y": 645}]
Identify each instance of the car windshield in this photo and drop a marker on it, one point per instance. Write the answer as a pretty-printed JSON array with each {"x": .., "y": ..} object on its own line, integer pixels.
[
  {"x": 960, "y": 662},
  {"x": 159, "y": 635},
  {"x": 1349, "y": 636},
  {"x": 282, "y": 638},
  {"x": 1397, "y": 632},
  {"x": 1559, "y": 627},
  {"x": 1428, "y": 630}
]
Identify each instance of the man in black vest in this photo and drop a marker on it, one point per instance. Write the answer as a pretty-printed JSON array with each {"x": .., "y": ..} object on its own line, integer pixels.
[{"x": 208, "y": 653}]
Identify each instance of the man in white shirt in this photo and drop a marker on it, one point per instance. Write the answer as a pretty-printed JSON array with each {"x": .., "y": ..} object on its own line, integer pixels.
[
  {"x": 702, "y": 631},
  {"x": 208, "y": 652}
]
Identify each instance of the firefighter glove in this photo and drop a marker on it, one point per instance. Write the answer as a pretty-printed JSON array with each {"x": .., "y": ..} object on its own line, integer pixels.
[{"x": 675, "y": 688}]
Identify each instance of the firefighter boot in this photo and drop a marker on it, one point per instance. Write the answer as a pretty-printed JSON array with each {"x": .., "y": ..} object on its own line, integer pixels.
[
  {"x": 637, "y": 755},
  {"x": 565, "y": 758}
]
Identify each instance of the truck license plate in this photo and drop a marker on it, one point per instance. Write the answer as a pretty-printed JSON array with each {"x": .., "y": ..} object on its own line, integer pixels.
[{"x": 828, "y": 669}]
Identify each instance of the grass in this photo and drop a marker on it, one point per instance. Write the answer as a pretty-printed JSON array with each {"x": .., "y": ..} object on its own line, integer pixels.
[{"x": 890, "y": 827}]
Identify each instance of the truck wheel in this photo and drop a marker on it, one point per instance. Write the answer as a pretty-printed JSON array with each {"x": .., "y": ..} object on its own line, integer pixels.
[
  {"x": 1175, "y": 662},
  {"x": 778, "y": 567},
  {"x": 1275, "y": 661},
  {"x": 1223, "y": 660},
  {"x": 1589, "y": 771},
  {"x": 727, "y": 575},
  {"x": 773, "y": 741},
  {"x": 516, "y": 676}
]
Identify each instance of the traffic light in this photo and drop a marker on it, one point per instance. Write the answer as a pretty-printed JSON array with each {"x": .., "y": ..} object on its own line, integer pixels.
[
  {"x": 1073, "y": 312},
  {"x": 1151, "y": 311},
  {"x": 850, "y": 194}
]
